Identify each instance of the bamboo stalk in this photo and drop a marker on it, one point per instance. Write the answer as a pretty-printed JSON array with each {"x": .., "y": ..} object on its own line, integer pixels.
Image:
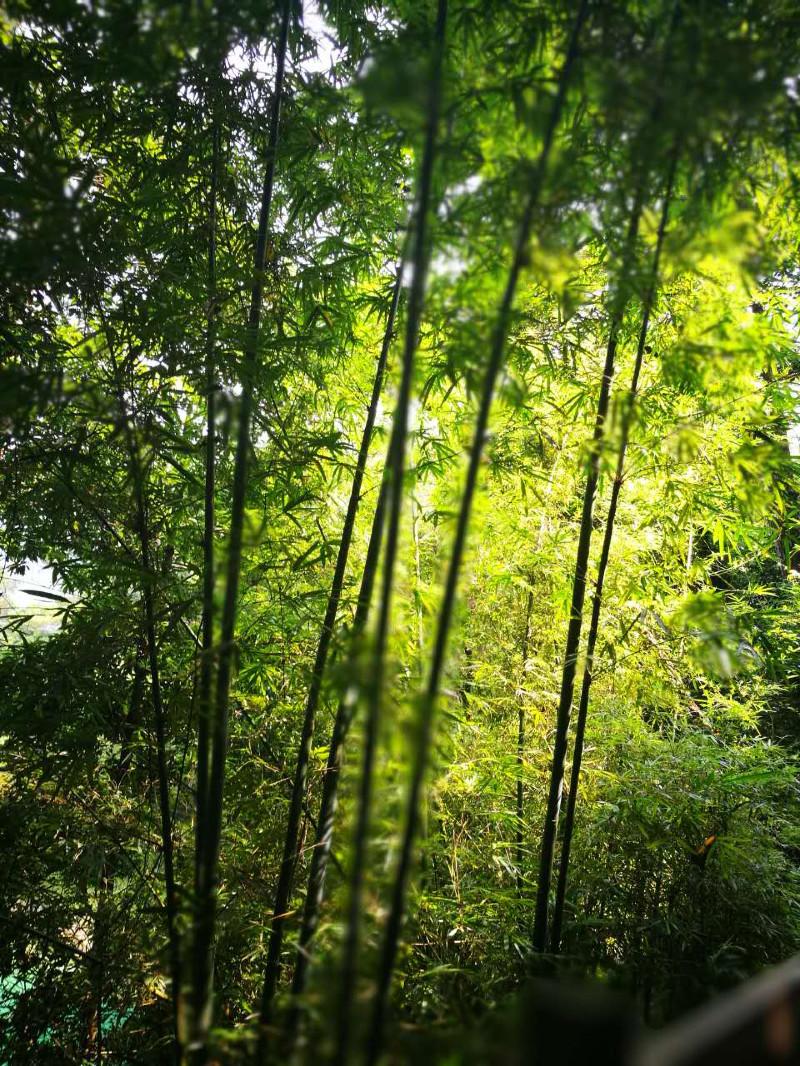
[
  {"x": 428, "y": 707},
  {"x": 162, "y": 772},
  {"x": 619, "y": 304},
  {"x": 291, "y": 841},
  {"x": 520, "y": 851},
  {"x": 569, "y": 668},
  {"x": 207, "y": 620},
  {"x": 315, "y": 892},
  {"x": 210, "y": 834},
  {"x": 521, "y": 730},
  {"x": 594, "y": 625},
  {"x": 395, "y": 470}
]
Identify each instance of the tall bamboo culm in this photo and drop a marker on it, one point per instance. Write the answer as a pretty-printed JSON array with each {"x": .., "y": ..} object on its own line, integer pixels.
[
  {"x": 209, "y": 833},
  {"x": 292, "y": 837},
  {"x": 425, "y": 726}
]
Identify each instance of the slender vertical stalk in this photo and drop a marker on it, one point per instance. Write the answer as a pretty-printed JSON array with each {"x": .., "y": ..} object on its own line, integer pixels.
[
  {"x": 526, "y": 642},
  {"x": 218, "y": 742},
  {"x": 526, "y": 638},
  {"x": 618, "y": 305},
  {"x": 207, "y": 620},
  {"x": 424, "y": 827},
  {"x": 395, "y": 470},
  {"x": 206, "y": 671},
  {"x": 315, "y": 892},
  {"x": 291, "y": 840},
  {"x": 133, "y": 716},
  {"x": 583, "y": 706},
  {"x": 429, "y": 698},
  {"x": 99, "y": 951},
  {"x": 148, "y": 581},
  {"x": 415, "y": 517},
  {"x": 161, "y": 766},
  {"x": 98, "y": 1047},
  {"x": 576, "y": 606}
]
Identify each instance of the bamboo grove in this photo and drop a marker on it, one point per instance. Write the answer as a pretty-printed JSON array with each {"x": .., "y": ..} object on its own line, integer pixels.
[{"x": 400, "y": 518}]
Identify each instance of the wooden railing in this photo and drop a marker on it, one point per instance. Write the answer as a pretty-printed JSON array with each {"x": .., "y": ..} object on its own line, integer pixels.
[
  {"x": 759, "y": 1022},
  {"x": 555, "y": 1023}
]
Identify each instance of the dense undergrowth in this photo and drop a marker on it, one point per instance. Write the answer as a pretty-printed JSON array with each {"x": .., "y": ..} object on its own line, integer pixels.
[{"x": 571, "y": 229}]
